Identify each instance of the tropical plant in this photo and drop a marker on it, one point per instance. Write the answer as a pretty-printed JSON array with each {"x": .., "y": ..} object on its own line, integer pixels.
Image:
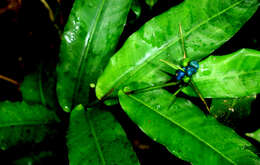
[{"x": 96, "y": 73}]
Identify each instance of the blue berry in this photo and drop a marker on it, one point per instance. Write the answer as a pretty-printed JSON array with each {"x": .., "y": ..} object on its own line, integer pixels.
[
  {"x": 180, "y": 75},
  {"x": 190, "y": 71},
  {"x": 194, "y": 64}
]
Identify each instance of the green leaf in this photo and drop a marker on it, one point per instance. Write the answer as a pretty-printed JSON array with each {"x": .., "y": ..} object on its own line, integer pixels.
[
  {"x": 230, "y": 76},
  {"x": 205, "y": 28},
  {"x": 255, "y": 135},
  {"x": 151, "y": 3},
  {"x": 185, "y": 130},
  {"x": 136, "y": 8},
  {"x": 90, "y": 38},
  {"x": 39, "y": 87},
  {"x": 21, "y": 123},
  {"x": 231, "y": 111},
  {"x": 95, "y": 137}
]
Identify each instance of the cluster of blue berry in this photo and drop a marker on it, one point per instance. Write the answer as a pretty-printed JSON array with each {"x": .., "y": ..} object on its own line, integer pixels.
[{"x": 188, "y": 70}]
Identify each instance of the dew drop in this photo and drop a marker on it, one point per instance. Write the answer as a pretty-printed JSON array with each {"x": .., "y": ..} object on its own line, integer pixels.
[{"x": 66, "y": 109}]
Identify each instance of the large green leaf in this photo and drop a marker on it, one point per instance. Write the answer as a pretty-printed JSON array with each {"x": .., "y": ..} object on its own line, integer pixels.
[
  {"x": 205, "y": 28},
  {"x": 90, "y": 38},
  {"x": 21, "y": 123},
  {"x": 95, "y": 137},
  {"x": 230, "y": 76},
  {"x": 231, "y": 111},
  {"x": 255, "y": 135},
  {"x": 185, "y": 130}
]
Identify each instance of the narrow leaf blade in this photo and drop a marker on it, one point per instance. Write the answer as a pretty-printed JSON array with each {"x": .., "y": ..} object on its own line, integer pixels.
[
  {"x": 185, "y": 130},
  {"x": 90, "y": 38},
  {"x": 95, "y": 137}
]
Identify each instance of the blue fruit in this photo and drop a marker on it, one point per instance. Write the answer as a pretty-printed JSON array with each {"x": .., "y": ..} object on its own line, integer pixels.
[
  {"x": 190, "y": 70},
  {"x": 194, "y": 64},
  {"x": 180, "y": 75}
]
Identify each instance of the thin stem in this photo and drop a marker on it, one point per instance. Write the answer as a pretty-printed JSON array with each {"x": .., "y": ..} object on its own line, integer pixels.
[
  {"x": 152, "y": 88},
  {"x": 46, "y": 5},
  {"x": 174, "y": 96},
  {"x": 182, "y": 42},
  {"x": 200, "y": 95},
  {"x": 51, "y": 16},
  {"x": 176, "y": 67},
  {"x": 9, "y": 80},
  {"x": 178, "y": 91}
]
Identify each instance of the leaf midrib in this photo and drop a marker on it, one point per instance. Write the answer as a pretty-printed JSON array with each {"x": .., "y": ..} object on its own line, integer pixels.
[
  {"x": 93, "y": 132},
  {"x": 85, "y": 51},
  {"x": 170, "y": 43},
  {"x": 183, "y": 128}
]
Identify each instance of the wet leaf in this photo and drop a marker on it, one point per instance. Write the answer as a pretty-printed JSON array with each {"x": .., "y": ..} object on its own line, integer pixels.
[
  {"x": 95, "y": 137},
  {"x": 205, "y": 28},
  {"x": 185, "y": 130},
  {"x": 90, "y": 38}
]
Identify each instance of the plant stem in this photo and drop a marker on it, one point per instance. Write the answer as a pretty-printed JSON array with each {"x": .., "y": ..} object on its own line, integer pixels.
[{"x": 9, "y": 80}]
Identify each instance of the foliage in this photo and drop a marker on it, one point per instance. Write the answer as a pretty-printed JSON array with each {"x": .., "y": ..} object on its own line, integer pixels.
[
  {"x": 101, "y": 65},
  {"x": 91, "y": 141}
]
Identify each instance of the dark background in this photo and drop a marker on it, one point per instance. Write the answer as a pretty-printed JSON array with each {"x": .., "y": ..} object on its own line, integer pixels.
[{"x": 28, "y": 37}]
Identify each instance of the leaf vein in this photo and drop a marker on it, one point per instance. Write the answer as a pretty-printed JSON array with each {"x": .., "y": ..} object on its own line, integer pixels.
[
  {"x": 100, "y": 153},
  {"x": 185, "y": 129}
]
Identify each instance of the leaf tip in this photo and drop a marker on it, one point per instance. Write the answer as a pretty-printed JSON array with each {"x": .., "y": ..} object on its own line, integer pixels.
[
  {"x": 79, "y": 107},
  {"x": 66, "y": 108}
]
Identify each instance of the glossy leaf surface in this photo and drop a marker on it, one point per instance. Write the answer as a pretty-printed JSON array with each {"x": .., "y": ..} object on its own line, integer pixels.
[
  {"x": 205, "y": 28},
  {"x": 185, "y": 130},
  {"x": 231, "y": 111},
  {"x": 230, "y": 76},
  {"x": 90, "y": 38},
  {"x": 255, "y": 135},
  {"x": 20, "y": 123},
  {"x": 95, "y": 137}
]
